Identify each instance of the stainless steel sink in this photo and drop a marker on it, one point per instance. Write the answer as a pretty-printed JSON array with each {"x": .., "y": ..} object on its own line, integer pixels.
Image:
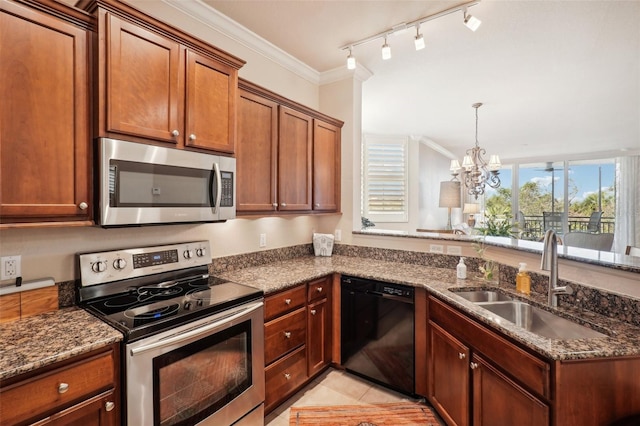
[
  {"x": 477, "y": 296},
  {"x": 539, "y": 321}
]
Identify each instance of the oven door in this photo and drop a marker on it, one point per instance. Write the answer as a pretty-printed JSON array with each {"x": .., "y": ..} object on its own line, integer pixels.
[{"x": 208, "y": 372}]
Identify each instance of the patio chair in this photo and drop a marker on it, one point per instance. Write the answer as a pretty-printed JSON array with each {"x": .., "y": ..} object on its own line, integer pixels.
[
  {"x": 594, "y": 222},
  {"x": 632, "y": 251},
  {"x": 552, "y": 220}
]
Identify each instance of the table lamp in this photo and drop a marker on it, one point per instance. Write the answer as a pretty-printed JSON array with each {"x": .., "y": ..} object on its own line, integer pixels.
[
  {"x": 471, "y": 209},
  {"x": 450, "y": 197}
]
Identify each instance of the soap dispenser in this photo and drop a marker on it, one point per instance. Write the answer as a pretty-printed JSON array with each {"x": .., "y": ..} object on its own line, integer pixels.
[
  {"x": 462, "y": 269},
  {"x": 523, "y": 280}
]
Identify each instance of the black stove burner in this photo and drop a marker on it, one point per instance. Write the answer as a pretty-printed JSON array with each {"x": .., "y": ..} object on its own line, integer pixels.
[{"x": 150, "y": 313}]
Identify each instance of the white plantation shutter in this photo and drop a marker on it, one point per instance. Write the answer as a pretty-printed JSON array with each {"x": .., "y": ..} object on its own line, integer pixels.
[{"x": 385, "y": 179}]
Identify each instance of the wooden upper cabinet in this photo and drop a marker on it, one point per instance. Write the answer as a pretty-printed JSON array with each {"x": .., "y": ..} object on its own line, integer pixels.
[
  {"x": 211, "y": 104},
  {"x": 256, "y": 153},
  {"x": 143, "y": 82},
  {"x": 158, "y": 84},
  {"x": 326, "y": 166},
  {"x": 44, "y": 114},
  {"x": 294, "y": 160}
]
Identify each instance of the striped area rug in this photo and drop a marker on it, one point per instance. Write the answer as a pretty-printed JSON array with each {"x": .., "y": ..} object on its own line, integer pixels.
[{"x": 391, "y": 414}]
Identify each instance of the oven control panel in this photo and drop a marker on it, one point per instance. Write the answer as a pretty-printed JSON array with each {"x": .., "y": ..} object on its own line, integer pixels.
[{"x": 116, "y": 265}]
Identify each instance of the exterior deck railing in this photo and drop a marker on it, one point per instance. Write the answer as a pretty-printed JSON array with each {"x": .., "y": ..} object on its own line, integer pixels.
[{"x": 534, "y": 226}]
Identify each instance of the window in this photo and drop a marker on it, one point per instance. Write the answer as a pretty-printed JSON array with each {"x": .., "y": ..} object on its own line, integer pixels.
[{"x": 384, "y": 178}]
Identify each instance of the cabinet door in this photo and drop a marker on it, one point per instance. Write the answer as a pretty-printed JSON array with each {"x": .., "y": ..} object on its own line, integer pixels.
[
  {"x": 256, "y": 153},
  {"x": 449, "y": 386},
  {"x": 210, "y": 116},
  {"x": 44, "y": 116},
  {"x": 100, "y": 410},
  {"x": 318, "y": 336},
  {"x": 144, "y": 82},
  {"x": 497, "y": 400},
  {"x": 326, "y": 166},
  {"x": 294, "y": 160}
]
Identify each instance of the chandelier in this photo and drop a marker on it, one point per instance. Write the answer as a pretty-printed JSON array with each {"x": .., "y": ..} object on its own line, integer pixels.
[{"x": 477, "y": 173}]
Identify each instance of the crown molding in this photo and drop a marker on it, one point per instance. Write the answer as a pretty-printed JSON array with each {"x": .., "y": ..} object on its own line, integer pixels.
[
  {"x": 215, "y": 20},
  {"x": 342, "y": 73}
]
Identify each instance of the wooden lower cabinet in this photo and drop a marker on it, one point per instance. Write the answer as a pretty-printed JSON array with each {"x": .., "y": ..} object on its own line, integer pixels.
[
  {"x": 80, "y": 391},
  {"x": 298, "y": 338}
]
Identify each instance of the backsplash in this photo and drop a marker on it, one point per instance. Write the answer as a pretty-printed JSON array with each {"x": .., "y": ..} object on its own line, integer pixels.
[{"x": 585, "y": 298}]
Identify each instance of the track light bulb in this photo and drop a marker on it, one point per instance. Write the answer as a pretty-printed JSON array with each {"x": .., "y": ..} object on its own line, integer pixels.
[
  {"x": 419, "y": 41},
  {"x": 351, "y": 61},
  {"x": 471, "y": 21},
  {"x": 386, "y": 50}
]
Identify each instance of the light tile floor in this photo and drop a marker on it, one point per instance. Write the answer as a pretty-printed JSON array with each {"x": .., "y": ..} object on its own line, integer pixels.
[{"x": 334, "y": 387}]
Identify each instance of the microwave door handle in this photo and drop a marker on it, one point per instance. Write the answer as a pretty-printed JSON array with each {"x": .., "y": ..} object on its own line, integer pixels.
[{"x": 216, "y": 169}]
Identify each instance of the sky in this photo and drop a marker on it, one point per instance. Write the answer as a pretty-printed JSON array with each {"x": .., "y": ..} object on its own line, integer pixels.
[{"x": 584, "y": 176}]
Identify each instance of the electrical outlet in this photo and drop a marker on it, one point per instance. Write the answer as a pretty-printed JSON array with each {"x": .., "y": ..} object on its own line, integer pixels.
[
  {"x": 263, "y": 240},
  {"x": 11, "y": 267},
  {"x": 338, "y": 235},
  {"x": 454, "y": 250},
  {"x": 436, "y": 248}
]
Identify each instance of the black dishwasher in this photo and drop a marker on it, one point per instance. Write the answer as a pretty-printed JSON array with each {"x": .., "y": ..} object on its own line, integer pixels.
[{"x": 377, "y": 342}]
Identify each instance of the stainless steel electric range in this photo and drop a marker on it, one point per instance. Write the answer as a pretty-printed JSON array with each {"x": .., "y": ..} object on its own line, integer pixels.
[{"x": 193, "y": 344}]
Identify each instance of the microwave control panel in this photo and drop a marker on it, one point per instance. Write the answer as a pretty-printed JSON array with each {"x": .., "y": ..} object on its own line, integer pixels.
[{"x": 226, "y": 180}]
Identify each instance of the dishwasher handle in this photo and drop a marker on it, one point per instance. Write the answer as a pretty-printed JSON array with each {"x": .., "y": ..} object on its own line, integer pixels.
[{"x": 402, "y": 299}]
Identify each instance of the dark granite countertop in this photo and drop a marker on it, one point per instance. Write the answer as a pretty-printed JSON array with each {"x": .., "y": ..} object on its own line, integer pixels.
[
  {"x": 623, "y": 339},
  {"x": 34, "y": 342}
]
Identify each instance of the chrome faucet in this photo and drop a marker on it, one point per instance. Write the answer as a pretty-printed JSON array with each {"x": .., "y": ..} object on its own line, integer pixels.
[{"x": 549, "y": 262}]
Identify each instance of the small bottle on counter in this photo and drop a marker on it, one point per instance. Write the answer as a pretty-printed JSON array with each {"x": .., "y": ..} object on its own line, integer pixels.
[
  {"x": 461, "y": 269},
  {"x": 523, "y": 280}
]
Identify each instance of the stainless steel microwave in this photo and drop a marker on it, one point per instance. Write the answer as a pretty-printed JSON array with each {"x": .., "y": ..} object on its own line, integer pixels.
[{"x": 141, "y": 184}]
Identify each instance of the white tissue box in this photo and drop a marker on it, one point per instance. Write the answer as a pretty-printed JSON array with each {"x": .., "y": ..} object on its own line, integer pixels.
[{"x": 322, "y": 244}]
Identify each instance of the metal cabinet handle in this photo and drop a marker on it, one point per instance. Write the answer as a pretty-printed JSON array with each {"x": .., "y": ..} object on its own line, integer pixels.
[
  {"x": 287, "y": 334},
  {"x": 283, "y": 204},
  {"x": 83, "y": 205},
  {"x": 317, "y": 204},
  {"x": 461, "y": 355},
  {"x": 319, "y": 289},
  {"x": 109, "y": 405},
  {"x": 474, "y": 365},
  {"x": 275, "y": 205},
  {"x": 287, "y": 376},
  {"x": 175, "y": 133},
  {"x": 63, "y": 387},
  {"x": 192, "y": 137},
  {"x": 313, "y": 312},
  {"x": 287, "y": 301}
]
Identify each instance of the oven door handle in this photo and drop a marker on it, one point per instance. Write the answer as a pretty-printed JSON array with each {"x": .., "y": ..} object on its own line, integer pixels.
[{"x": 177, "y": 338}]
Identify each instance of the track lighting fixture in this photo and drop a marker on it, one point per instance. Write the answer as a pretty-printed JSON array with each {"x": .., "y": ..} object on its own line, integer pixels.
[
  {"x": 470, "y": 21},
  {"x": 351, "y": 61},
  {"x": 419, "y": 40},
  {"x": 386, "y": 50}
]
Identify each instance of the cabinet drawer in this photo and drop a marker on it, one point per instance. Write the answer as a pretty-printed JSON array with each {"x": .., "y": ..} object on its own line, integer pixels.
[
  {"x": 285, "y": 376},
  {"x": 285, "y": 301},
  {"x": 523, "y": 366},
  {"x": 284, "y": 333},
  {"x": 318, "y": 289},
  {"x": 46, "y": 393}
]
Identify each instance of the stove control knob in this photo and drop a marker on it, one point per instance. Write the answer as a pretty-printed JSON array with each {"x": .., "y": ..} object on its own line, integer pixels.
[
  {"x": 187, "y": 306},
  {"x": 200, "y": 302},
  {"x": 200, "y": 252},
  {"x": 99, "y": 266},
  {"x": 188, "y": 254},
  {"x": 119, "y": 264}
]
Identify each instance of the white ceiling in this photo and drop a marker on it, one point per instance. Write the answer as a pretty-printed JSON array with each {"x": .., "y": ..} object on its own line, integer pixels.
[{"x": 556, "y": 78}]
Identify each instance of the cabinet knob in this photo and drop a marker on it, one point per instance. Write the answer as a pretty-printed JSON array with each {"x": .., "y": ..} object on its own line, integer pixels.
[
  {"x": 287, "y": 376},
  {"x": 283, "y": 204},
  {"x": 319, "y": 289},
  {"x": 275, "y": 205},
  {"x": 317, "y": 204},
  {"x": 63, "y": 387},
  {"x": 287, "y": 301},
  {"x": 313, "y": 312},
  {"x": 287, "y": 334},
  {"x": 83, "y": 205},
  {"x": 474, "y": 365},
  {"x": 192, "y": 137},
  {"x": 461, "y": 355},
  {"x": 175, "y": 133},
  {"x": 109, "y": 405}
]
